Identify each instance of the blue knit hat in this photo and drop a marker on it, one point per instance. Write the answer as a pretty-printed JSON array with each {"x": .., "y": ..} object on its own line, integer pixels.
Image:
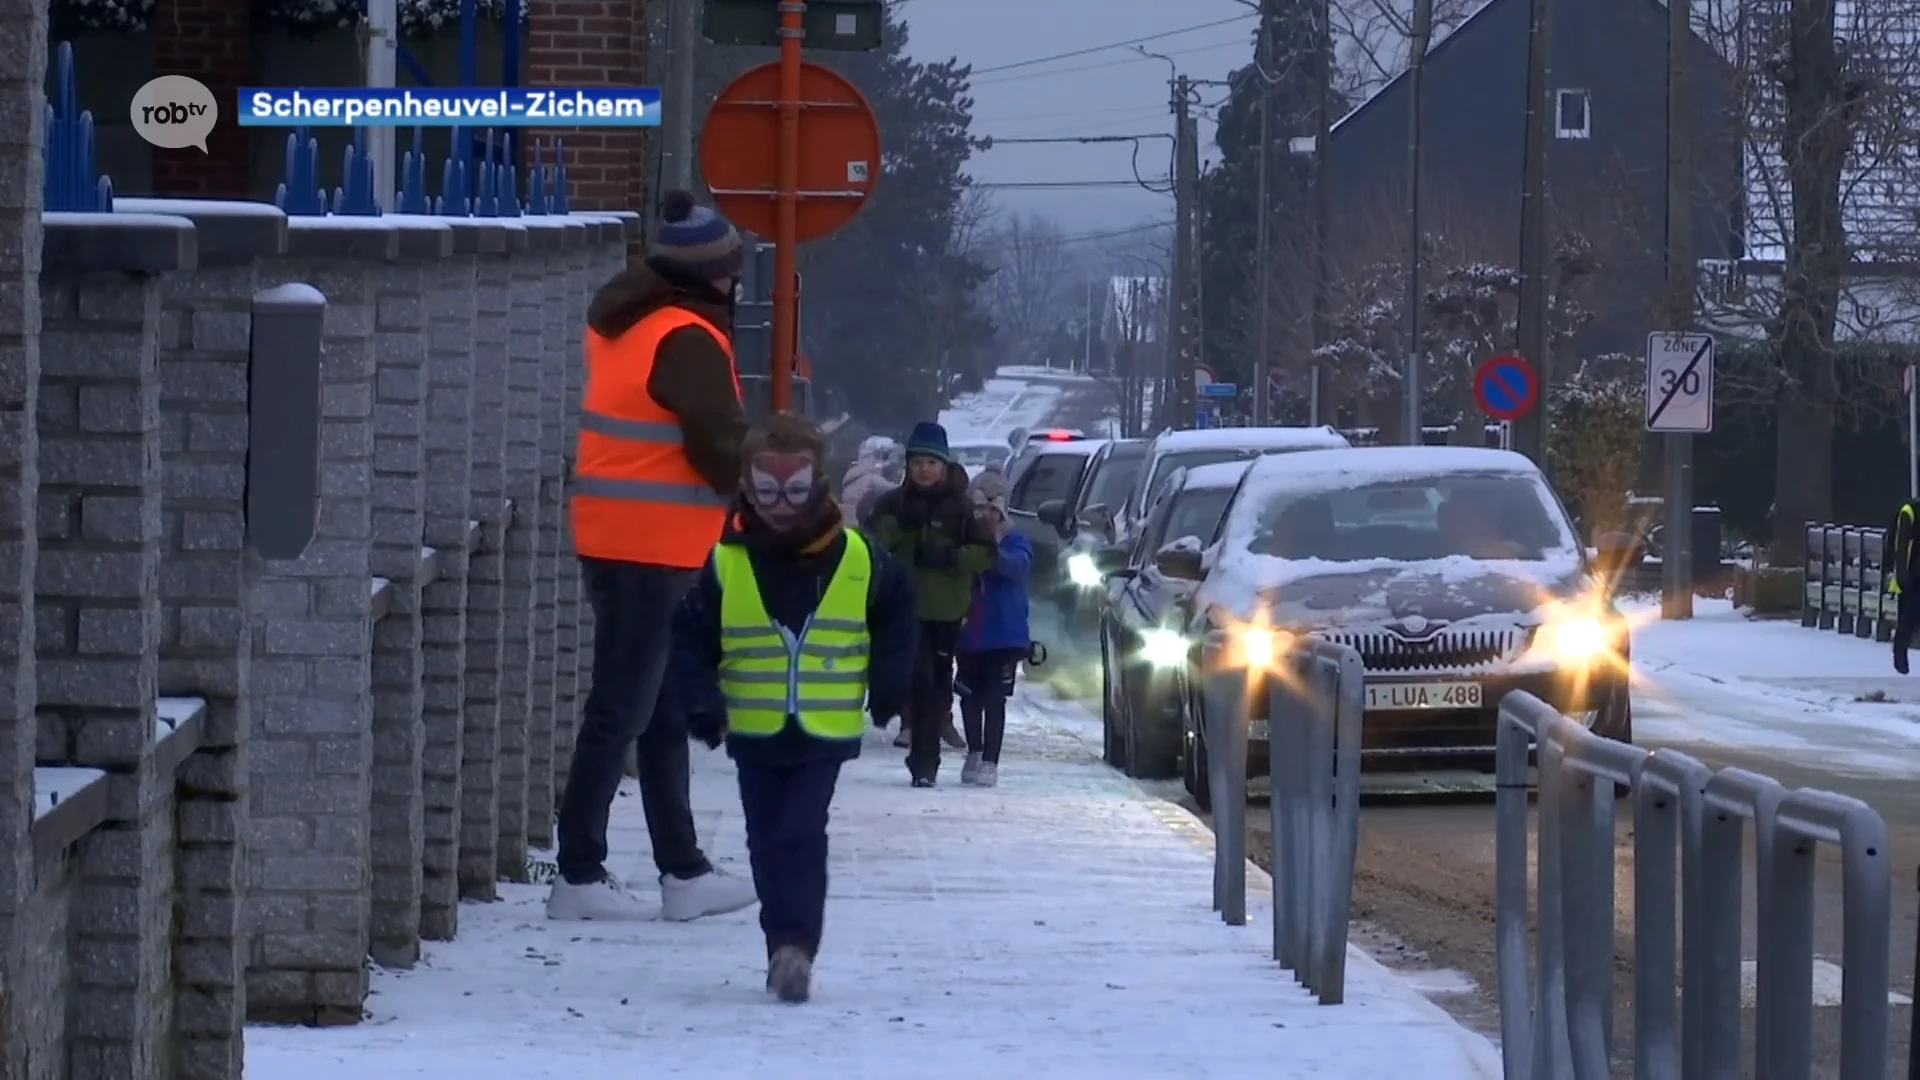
[
  {"x": 695, "y": 241},
  {"x": 928, "y": 440}
]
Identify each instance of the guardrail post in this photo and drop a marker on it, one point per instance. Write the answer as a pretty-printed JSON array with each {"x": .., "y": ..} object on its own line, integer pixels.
[
  {"x": 1348, "y": 700},
  {"x": 1732, "y": 797},
  {"x": 1552, "y": 1049},
  {"x": 1284, "y": 706},
  {"x": 1230, "y": 817},
  {"x": 1666, "y": 798},
  {"x": 1514, "y": 740},
  {"x": 1801, "y": 821}
]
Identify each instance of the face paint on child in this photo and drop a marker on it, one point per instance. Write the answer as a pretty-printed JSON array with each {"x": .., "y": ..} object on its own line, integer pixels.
[{"x": 781, "y": 487}]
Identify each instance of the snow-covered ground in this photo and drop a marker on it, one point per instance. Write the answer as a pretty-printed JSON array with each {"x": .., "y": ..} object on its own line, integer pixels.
[
  {"x": 998, "y": 407},
  {"x": 1722, "y": 679},
  {"x": 1056, "y": 926}
]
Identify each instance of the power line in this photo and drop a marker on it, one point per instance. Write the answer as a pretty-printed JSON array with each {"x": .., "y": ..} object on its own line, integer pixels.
[
  {"x": 1071, "y": 114},
  {"x": 994, "y": 240},
  {"x": 1054, "y": 185},
  {"x": 1128, "y": 43},
  {"x": 1030, "y": 75},
  {"x": 1060, "y": 139}
]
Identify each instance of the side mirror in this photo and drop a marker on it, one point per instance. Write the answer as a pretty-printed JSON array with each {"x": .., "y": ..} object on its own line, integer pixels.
[
  {"x": 1181, "y": 562},
  {"x": 1053, "y": 512},
  {"x": 1617, "y": 552}
]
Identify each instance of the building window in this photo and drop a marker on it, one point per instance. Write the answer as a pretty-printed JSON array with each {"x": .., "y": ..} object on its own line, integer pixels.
[{"x": 1571, "y": 118}]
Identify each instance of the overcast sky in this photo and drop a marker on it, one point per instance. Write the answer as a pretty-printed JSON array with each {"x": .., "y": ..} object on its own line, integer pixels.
[{"x": 1101, "y": 91}]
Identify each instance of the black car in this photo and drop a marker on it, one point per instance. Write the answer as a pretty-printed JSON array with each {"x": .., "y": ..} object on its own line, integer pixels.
[
  {"x": 1454, "y": 572},
  {"x": 1171, "y": 450},
  {"x": 1047, "y": 471},
  {"x": 1143, "y": 646},
  {"x": 1086, "y": 524}
]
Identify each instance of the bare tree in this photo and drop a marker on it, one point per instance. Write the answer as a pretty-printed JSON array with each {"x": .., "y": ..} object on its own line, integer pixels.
[
  {"x": 1826, "y": 93},
  {"x": 1028, "y": 293},
  {"x": 1370, "y": 40}
]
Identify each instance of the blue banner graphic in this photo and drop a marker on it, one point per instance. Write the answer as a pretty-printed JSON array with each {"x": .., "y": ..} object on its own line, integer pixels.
[{"x": 472, "y": 107}]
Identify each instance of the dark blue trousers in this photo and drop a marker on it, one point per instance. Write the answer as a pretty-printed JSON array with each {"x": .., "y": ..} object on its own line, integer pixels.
[{"x": 785, "y": 805}]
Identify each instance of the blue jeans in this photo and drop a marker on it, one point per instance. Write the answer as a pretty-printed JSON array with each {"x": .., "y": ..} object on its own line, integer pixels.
[{"x": 786, "y": 810}]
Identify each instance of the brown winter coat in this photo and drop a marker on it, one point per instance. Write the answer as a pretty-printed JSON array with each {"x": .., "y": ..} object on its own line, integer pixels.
[{"x": 691, "y": 375}]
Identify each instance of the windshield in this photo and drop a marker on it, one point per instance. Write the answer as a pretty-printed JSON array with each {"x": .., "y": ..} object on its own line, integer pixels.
[
  {"x": 1196, "y": 514},
  {"x": 1187, "y": 459},
  {"x": 1479, "y": 516},
  {"x": 976, "y": 458},
  {"x": 1116, "y": 477}
]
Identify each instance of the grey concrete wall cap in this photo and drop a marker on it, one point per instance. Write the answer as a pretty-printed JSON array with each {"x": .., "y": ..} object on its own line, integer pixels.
[
  {"x": 126, "y": 243},
  {"x": 232, "y": 232},
  {"x": 477, "y": 236},
  {"x": 342, "y": 237}
]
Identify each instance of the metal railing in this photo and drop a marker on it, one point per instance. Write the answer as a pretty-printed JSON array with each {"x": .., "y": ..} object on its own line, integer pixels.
[
  {"x": 1845, "y": 583},
  {"x": 1313, "y": 766},
  {"x": 1689, "y": 841}
]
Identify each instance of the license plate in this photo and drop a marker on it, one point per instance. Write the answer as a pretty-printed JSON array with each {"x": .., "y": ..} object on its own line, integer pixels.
[{"x": 1386, "y": 697}]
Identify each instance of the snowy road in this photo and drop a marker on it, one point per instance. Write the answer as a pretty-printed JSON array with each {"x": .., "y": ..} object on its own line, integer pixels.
[{"x": 1770, "y": 697}]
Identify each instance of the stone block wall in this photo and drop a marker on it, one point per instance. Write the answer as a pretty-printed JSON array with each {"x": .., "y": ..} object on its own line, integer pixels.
[{"x": 249, "y": 776}]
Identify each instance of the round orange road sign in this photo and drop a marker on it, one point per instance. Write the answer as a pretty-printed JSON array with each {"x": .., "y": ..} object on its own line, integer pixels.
[{"x": 839, "y": 150}]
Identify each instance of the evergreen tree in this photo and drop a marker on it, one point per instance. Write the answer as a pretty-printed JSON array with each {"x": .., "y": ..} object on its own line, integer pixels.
[{"x": 1229, "y": 229}]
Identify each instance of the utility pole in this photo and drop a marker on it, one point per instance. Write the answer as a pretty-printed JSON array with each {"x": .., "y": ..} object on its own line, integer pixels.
[
  {"x": 1263, "y": 273},
  {"x": 683, "y": 42},
  {"x": 1676, "y": 564},
  {"x": 1410, "y": 388},
  {"x": 1536, "y": 237},
  {"x": 1186, "y": 186},
  {"x": 1318, "y": 411}
]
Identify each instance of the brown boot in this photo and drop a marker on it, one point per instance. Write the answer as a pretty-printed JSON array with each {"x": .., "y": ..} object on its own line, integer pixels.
[{"x": 951, "y": 735}]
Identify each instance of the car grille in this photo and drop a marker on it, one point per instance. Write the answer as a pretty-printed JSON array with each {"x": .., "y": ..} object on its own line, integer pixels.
[{"x": 1448, "y": 649}]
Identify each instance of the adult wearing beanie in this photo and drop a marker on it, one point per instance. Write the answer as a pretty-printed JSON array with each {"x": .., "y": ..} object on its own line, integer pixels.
[
  {"x": 927, "y": 523},
  {"x": 656, "y": 467}
]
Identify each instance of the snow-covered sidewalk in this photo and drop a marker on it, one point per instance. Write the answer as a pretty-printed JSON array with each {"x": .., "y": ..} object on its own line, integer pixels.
[{"x": 1057, "y": 926}]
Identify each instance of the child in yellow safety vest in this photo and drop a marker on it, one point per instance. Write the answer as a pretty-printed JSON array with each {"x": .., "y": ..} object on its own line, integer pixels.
[{"x": 796, "y": 629}]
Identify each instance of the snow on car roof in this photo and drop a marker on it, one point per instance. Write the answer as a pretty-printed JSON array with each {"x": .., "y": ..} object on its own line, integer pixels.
[
  {"x": 1240, "y": 579},
  {"x": 1081, "y": 447},
  {"x": 1261, "y": 437},
  {"x": 1226, "y": 474},
  {"x": 1384, "y": 464}
]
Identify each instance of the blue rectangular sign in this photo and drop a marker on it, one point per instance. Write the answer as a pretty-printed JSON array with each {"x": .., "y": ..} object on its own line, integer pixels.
[
  {"x": 472, "y": 107},
  {"x": 1220, "y": 389}
]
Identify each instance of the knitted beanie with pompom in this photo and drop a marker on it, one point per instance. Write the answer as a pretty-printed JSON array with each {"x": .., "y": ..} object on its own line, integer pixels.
[{"x": 695, "y": 241}]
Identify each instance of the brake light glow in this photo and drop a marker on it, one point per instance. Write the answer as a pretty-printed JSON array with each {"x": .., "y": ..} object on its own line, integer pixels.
[{"x": 1060, "y": 436}]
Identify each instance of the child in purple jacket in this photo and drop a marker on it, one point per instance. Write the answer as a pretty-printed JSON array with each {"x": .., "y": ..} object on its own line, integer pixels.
[{"x": 994, "y": 639}]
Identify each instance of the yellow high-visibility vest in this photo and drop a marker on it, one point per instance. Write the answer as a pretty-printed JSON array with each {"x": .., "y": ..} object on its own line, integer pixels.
[
  {"x": 768, "y": 673},
  {"x": 1902, "y": 547}
]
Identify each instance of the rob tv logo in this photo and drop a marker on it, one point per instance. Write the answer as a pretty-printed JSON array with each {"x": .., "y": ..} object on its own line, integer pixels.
[{"x": 173, "y": 112}]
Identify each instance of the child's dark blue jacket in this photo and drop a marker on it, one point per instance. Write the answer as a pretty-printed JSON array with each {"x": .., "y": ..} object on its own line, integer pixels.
[
  {"x": 998, "y": 617},
  {"x": 793, "y": 574}
]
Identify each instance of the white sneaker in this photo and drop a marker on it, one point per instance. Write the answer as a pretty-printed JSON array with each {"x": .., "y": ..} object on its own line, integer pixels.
[
  {"x": 970, "y": 772},
  {"x": 989, "y": 775},
  {"x": 605, "y": 900},
  {"x": 712, "y": 893}
]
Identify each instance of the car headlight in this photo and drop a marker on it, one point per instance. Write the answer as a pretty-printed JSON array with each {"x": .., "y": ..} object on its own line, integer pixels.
[
  {"x": 1163, "y": 648},
  {"x": 1259, "y": 647},
  {"x": 1575, "y": 640},
  {"x": 1082, "y": 572}
]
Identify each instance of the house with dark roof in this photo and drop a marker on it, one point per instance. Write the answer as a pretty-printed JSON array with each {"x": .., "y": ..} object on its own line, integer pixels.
[{"x": 1607, "y": 164}]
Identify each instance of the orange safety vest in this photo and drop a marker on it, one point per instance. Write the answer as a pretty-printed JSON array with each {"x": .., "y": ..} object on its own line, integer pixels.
[{"x": 636, "y": 497}]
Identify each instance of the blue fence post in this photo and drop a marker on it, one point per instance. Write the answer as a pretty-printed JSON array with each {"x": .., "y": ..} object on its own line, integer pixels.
[
  {"x": 537, "y": 181},
  {"x": 560, "y": 177},
  {"x": 299, "y": 193},
  {"x": 71, "y": 185},
  {"x": 413, "y": 178},
  {"x": 355, "y": 195},
  {"x": 507, "y": 181}
]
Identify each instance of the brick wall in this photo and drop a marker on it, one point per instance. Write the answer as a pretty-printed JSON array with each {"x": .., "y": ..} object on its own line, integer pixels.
[
  {"x": 594, "y": 43},
  {"x": 23, "y": 32},
  {"x": 212, "y": 41}
]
